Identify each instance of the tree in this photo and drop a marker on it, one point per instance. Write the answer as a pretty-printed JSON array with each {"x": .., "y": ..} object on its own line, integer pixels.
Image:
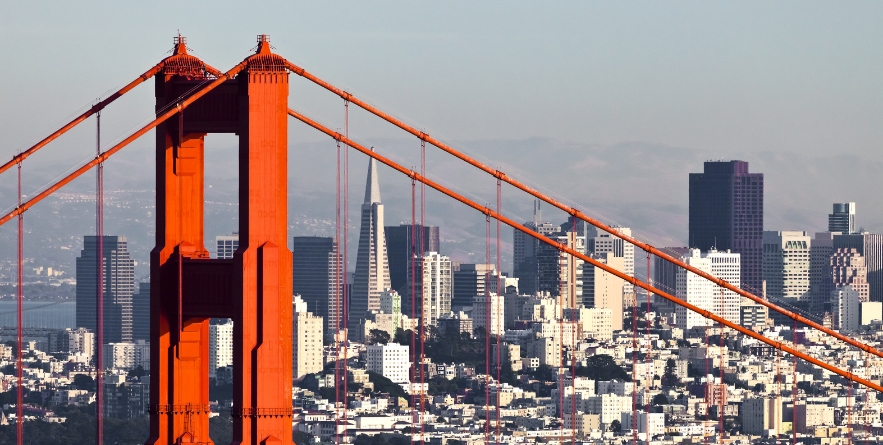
[
  {"x": 383, "y": 384},
  {"x": 615, "y": 426},
  {"x": 137, "y": 372},
  {"x": 378, "y": 337},
  {"x": 83, "y": 381},
  {"x": 602, "y": 368},
  {"x": 670, "y": 377},
  {"x": 659, "y": 399}
]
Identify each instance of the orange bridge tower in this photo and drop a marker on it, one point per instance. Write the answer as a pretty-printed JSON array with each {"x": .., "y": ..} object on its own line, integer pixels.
[{"x": 253, "y": 288}]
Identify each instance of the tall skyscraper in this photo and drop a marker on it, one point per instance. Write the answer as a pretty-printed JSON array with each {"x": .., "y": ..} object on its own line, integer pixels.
[
  {"x": 227, "y": 244},
  {"x": 843, "y": 218},
  {"x": 317, "y": 266},
  {"x": 220, "y": 346},
  {"x": 372, "y": 267},
  {"x": 119, "y": 285},
  {"x": 665, "y": 277},
  {"x": 726, "y": 213},
  {"x": 524, "y": 248},
  {"x": 786, "y": 264},
  {"x": 141, "y": 313},
  {"x": 870, "y": 246},
  {"x": 400, "y": 246},
  {"x": 820, "y": 272}
]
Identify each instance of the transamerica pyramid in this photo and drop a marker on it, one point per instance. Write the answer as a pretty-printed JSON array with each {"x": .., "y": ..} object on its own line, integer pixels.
[{"x": 372, "y": 267}]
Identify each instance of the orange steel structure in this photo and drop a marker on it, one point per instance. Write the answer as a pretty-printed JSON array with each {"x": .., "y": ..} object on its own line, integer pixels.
[{"x": 255, "y": 287}]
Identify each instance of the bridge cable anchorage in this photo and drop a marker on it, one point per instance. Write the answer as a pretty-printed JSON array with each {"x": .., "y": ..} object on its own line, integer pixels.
[
  {"x": 18, "y": 158},
  {"x": 569, "y": 209},
  {"x": 514, "y": 224},
  {"x": 113, "y": 150}
]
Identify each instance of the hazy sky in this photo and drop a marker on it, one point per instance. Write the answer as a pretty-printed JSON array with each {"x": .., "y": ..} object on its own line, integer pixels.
[
  {"x": 795, "y": 76},
  {"x": 725, "y": 79}
]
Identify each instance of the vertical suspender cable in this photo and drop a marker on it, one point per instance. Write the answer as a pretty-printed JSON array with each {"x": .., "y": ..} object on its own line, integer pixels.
[
  {"x": 422, "y": 249},
  {"x": 338, "y": 303},
  {"x": 634, "y": 373},
  {"x": 722, "y": 390},
  {"x": 574, "y": 325},
  {"x": 99, "y": 261},
  {"x": 648, "y": 358},
  {"x": 849, "y": 412},
  {"x": 412, "y": 253},
  {"x": 19, "y": 395},
  {"x": 487, "y": 333},
  {"x": 499, "y": 317},
  {"x": 794, "y": 387},
  {"x": 346, "y": 217},
  {"x": 707, "y": 385}
]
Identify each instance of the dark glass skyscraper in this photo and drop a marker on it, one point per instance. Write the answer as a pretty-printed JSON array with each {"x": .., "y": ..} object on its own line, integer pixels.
[
  {"x": 317, "y": 265},
  {"x": 399, "y": 245},
  {"x": 119, "y": 285},
  {"x": 726, "y": 212}
]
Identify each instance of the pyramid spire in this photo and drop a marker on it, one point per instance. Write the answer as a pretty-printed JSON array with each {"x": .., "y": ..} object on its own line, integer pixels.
[{"x": 372, "y": 186}]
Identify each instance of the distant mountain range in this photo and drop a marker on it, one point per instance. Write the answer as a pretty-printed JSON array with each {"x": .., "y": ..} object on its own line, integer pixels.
[{"x": 636, "y": 184}]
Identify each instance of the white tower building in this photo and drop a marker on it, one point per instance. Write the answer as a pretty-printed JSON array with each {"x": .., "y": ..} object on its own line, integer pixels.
[
  {"x": 372, "y": 266},
  {"x": 694, "y": 290}
]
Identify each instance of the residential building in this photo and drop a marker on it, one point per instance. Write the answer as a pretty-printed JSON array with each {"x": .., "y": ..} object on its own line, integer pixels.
[
  {"x": 118, "y": 274},
  {"x": 404, "y": 241},
  {"x": 848, "y": 269},
  {"x": 845, "y": 304},
  {"x": 307, "y": 343},
  {"x": 602, "y": 289},
  {"x": 220, "y": 345},
  {"x": 760, "y": 415},
  {"x": 497, "y": 316},
  {"x": 603, "y": 242},
  {"x": 318, "y": 278},
  {"x": 726, "y": 266},
  {"x": 470, "y": 280},
  {"x": 665, "y": 277},
  {"x": 127, "y": 356},
  {"x": 843, "y": 218},
  {"x": 726, "y": 213},
  {"x": 694, "y": 290},
  {"x": 372, "y": 267},
  {"x": 434, "y": 283},
  {"x": 391, "y": 361},
  {"x": 226, "y": 245},
  {"x": 524, "y": 258}
]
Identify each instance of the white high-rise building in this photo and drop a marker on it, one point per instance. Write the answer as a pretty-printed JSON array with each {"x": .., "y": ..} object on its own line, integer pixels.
[
  {"x": 390, "y": 360},
  {"x": 845, "y": 304},
  {"x": 786, "y": 264},
  {"x": 127, "y": 355},
  {"x": 307, "y": 334},
  {"x": 227, "y": 244},
  {"x": 694, "y": 290},
  {"x": 391, "y": 303},
  {"x": 437, "y": 286},
  {"x": 604, "y": 242},
  {"x": 372, "y": 265},
  {"x": 497, "y": 315},
  {"x": 220, "y": 346},
  {"x": 726, "y": 266}
]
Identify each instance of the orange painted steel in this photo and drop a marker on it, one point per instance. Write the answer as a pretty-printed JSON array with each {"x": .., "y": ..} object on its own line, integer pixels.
[
  {"x": 110, "y": 152},
  {"x": 92, "y": 110},
  {"x": 254, "y": 288},
  {"x": 563, "y": 247},
  {"x": 572, "y": 210}
]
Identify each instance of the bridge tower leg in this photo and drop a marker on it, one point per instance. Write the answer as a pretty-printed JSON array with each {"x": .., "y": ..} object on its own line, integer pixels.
[
  {"x": 254, "y": 288},
  {"x": 262, "y": 326}
]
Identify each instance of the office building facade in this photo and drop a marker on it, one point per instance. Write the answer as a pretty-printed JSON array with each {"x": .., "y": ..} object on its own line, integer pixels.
[
  {"x": 786, "y": 265},
  {"x": 842, "y": 219},
  {"x": 401, "y": 243},
  {"x": 870, "y": 246},
  {"x": 726, "y": 213},
  {"x": 317, "y": 278},
  {"x": 118, "y": 273}
]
